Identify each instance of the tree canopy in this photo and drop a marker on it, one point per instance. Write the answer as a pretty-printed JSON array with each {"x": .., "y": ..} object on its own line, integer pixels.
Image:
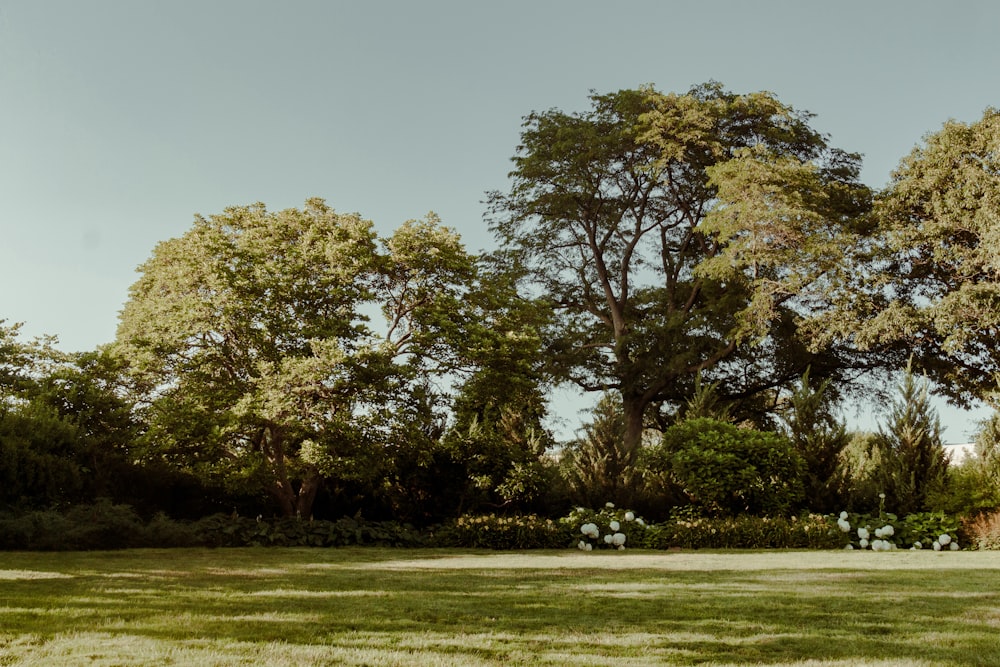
[
  {"x": 935, "y": 264},
  {"x": 675, "y": 235},
  {"x": 250, "y": 339}
]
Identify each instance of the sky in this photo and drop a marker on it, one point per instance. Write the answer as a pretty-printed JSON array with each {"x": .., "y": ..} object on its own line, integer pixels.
[{"x": 122, "y": 119}]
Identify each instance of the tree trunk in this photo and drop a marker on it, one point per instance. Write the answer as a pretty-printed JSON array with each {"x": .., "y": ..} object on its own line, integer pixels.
[
  {"x": 634, "y": 408},
  {"x": 310, "y": 486}
]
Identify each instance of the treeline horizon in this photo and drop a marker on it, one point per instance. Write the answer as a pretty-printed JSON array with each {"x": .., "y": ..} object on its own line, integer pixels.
[{"x": 696, "y": 256}]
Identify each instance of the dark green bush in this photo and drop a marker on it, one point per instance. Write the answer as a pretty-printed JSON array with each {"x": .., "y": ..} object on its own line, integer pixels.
[
  {"x": 227, "y": 531},
  {"x": 729, "y": 471}
]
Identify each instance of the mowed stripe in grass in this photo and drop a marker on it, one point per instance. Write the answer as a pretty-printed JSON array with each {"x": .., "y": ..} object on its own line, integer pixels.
[{"x": 422, "y": 607}]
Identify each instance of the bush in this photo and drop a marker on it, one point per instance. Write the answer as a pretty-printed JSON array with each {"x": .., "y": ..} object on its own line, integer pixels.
[
  {"x": 104, "y": 525},
  {"x": 729, "y": 471},
  {"x": 503, "y": 532},
  {"x": 983, "y": 531},
  {"x": 607, "y": 528},
  {"x": 233, "y": 531},
  {"x": 886, "y": 532},
  {"x": 811, "y": 531},
  {"x": 101, "y": 525}
]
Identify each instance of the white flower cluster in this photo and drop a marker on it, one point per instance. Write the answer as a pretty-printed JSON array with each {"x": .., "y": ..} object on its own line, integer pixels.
[
  {"x": 881, "y": 541},
  {"x": 614, "y": 538},
  {"x": 941, "y": 542}
]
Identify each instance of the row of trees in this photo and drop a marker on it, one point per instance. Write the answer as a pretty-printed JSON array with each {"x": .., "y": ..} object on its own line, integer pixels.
[{"x": 654, "y": 246}]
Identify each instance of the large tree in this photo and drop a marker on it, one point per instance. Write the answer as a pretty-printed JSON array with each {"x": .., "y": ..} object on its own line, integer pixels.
[
  {"x": 935, "y": 266},
  {"x": 678, "y": 235},
  {"x": 250, "y": 339}
]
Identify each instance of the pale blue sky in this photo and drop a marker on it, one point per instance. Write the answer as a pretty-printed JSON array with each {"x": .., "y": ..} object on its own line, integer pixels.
[{"x": 121, "y": 119}]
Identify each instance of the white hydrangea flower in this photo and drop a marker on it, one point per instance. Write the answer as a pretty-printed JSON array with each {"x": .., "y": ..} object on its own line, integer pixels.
[
  {"x": 629, "y": 516},
  {"x": 937, "y": 546},
  {"x": 618, "y": 539},
  {"x": 614, "y": 526},
  {"x": 582, "y": 546},
  {"x": 621, "y": 547},
  {"x": 954, "y": 546},
  {"x": 888, "y": 530},
  {"x": 863, "y": 533},
  {"x": 610, "y": 506},
  {"x": 609, "y": 538},
  {"x": 863, "y": 543},
  {"x": 918, "y": 545},
  {"x": 844, "y": 525},
  {"x": 944, "y": 539},
  {"x": 843, "y": 516}
]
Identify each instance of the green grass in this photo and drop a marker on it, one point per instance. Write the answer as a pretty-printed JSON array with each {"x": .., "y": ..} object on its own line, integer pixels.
[{"x": 408, "y": 607}]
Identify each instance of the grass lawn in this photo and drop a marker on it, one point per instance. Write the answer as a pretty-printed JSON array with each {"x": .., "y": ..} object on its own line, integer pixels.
[{"x": 422, "y": 607}]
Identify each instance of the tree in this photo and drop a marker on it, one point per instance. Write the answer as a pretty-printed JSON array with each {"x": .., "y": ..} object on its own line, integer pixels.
[
  {"x": 678, "y": 235},
  {"x": 934, "y": 271},
  {"x": 249, "y": 339},
  {"x": 913, "y": 459},
  {"x": 819, "y": 437},
  {"x": 597, "y": 464},
  {"x": 988, "y": 449},
  {"x": 88, "y": 392}
]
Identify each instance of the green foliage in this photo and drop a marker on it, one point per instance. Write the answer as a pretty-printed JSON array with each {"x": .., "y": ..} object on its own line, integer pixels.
[
  {"x": 226, "y": 531},
  {"x": 248, "y": 340},
  {"x": 723, "y": 469},
  {"x": 606, "y": 527},
  {"x": 102, "y": 525},
  {"x": 932, "y": 286},
  {"x": 503, "y": 532},
  {"x": 498, "y": 437},
  {"x": 705, "y": 402},
  {"x": 819, "y": 437},
  {"x": 39, "y": 457},
  {"x": 632, "y": 220},
  {"x": 106, "y": 525},
  {"x": 858, "y": 471},
  {"x": 925, "y": 528},
  {"x": 811, "y": 531},
  {"x": 913, "y": 459},
  {"x": 599, "y": 465},
  {"x": 988, "y": 450},
  {"x": 966, "y": 490}
]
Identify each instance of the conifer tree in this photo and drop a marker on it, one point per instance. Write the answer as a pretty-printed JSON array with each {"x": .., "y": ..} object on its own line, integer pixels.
[
  {"x": 819, "y": 437},
  {"x": 914, "y": 461}
]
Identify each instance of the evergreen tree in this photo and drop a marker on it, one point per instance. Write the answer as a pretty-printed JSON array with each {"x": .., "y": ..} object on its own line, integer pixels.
[
  {"x": 599, "y": 463},
  {"x": 914, "y": 461},
  {"x": 819, "y": 437}
]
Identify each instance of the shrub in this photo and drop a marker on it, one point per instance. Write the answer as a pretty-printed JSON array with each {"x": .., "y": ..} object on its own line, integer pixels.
[
  {"x": 221, "y": 530},
  {"x": 886, "y": 532},
  {"x": 607, "y": 528},
  {"x": 983, "y": 531},
  {"x": 727, "y": 470},
  {"x": 810, "y": 531},
  {"x": 503, "y": 532}
]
